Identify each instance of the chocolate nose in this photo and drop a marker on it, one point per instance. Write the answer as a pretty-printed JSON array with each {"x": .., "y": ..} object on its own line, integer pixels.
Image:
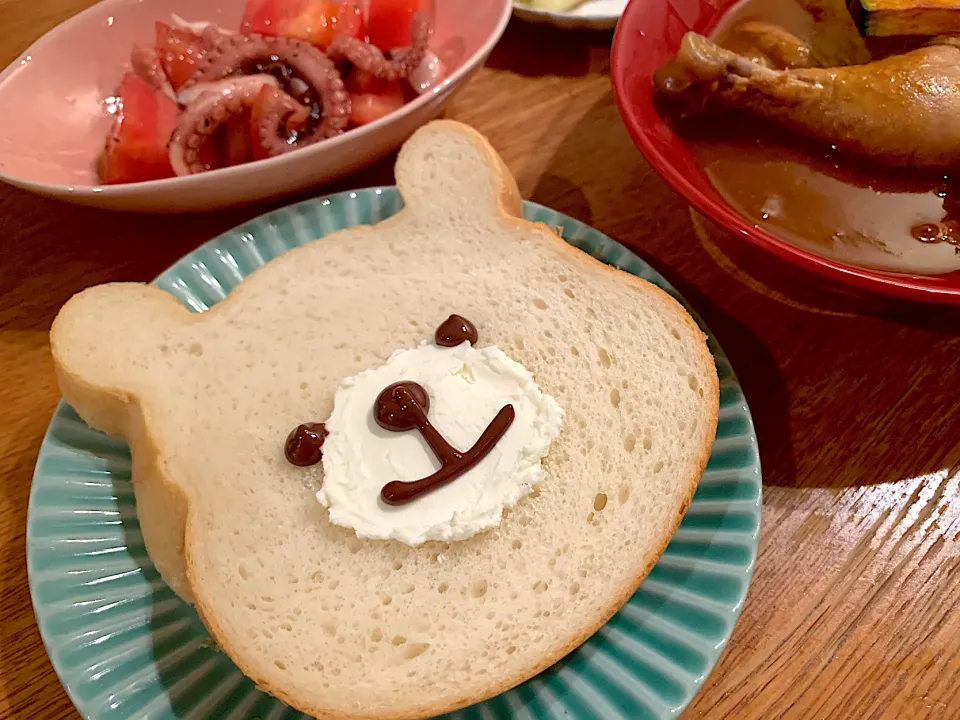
[{"x": 401, "y": 406}]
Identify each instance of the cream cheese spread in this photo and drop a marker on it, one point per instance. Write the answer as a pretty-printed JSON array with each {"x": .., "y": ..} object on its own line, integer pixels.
[{"x": 467, "y": 387}]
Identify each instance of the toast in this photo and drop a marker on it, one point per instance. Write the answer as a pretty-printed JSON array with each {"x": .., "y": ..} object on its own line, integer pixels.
[{"x": 340, "y": 627}]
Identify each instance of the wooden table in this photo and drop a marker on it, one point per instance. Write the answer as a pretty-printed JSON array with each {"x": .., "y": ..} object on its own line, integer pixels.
[{"x": 854, "y": 610}]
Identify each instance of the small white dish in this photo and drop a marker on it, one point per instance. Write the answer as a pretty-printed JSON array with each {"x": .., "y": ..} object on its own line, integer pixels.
[{"x": 591, "y": 15}]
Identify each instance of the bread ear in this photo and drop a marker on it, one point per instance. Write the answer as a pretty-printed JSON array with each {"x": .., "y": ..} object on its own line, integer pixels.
[
  {"x": 103, "y": 340},
  {"x": 108, "y": 344},
  {"x": 443, "y": 174}
]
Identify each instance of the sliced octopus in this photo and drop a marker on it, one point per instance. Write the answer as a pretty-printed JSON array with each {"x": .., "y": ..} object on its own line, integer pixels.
[
  {"x": 222, "y": 88},
  {"x": 218, "y": 103},
  {"x": 370, "y": 59},
  {"x": 236, "y": 54}
]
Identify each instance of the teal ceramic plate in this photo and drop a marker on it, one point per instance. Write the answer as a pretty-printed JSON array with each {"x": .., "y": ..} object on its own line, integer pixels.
[{"x": 126, "y": 647}]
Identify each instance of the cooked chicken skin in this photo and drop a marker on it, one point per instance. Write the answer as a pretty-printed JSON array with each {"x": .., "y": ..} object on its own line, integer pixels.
[
  {"x": 901, "y": 111},
  {"x": 775, "y": 47}
]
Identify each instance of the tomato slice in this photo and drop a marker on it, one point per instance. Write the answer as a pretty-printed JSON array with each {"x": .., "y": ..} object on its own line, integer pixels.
[
  {"x": 388, "y": 21},
  {"x": 316, "y": 21},
  {"x": 372, "y": 98},
  {"x": 267, "y": 17},
  {"x": 137, "y": 150},
  {"x": 179, "y": 51}
]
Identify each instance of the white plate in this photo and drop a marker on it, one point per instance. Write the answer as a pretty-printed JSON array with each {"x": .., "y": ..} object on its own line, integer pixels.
[{"x": 591, "y": 15}]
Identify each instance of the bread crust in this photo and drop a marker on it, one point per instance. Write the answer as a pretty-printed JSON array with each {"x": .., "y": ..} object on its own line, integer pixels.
[{"x": 121, "y": 411}]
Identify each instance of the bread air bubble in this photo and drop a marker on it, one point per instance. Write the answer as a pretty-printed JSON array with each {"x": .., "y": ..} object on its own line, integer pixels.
[{"x": 416, "y": 650}]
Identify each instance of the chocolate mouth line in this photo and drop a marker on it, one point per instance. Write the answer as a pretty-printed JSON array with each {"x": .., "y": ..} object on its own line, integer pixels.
[{"x": 403, "y": 406}]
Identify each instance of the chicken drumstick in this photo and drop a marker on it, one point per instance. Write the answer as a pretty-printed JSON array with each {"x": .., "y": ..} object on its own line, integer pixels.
[{"x": 901, "y": 111}]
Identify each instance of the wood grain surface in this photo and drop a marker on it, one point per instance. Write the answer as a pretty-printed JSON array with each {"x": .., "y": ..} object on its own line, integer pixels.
[{"x": 854, "y": 610}]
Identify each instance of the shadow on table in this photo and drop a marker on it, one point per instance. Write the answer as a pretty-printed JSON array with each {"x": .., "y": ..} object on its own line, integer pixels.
[
  {"x": 860, "y": 400},
  {"x": 562, "y": 186},
  {"x": 864, "y": 397},
  {"x": 533, "y": 50},
  {"x": 75, "y": 247},
  {"x": 759, "y": 267}
]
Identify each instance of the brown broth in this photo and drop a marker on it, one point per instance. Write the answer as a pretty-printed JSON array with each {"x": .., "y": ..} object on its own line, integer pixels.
[{"x": 812, "y": 197}]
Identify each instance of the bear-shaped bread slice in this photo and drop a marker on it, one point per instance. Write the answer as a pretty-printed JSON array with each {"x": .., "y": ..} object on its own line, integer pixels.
[{"x": 343, "y": 627}]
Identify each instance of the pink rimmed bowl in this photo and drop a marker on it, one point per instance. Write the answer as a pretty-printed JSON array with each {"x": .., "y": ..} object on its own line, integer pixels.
[{"x": 54, "y": 120}]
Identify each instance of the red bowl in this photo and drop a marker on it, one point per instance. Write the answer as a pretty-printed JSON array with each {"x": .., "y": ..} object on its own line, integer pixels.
[{"x": 648, "y": 34}]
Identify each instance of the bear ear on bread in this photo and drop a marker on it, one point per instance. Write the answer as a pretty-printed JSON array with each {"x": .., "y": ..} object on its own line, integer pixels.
[
  {"x": 106, "y": 342},
  {"x": 443, "y": 175}
]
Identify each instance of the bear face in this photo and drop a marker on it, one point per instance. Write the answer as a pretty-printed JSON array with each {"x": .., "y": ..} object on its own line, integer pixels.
[{"x": 335, "y": 625}]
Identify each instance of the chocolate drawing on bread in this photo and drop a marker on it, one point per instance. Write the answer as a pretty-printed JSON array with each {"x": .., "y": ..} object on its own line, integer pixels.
[
  {"x": 403, "y": 406},
  {"x": 304, "y": 445},
  {"x": 480, "y": 399}
]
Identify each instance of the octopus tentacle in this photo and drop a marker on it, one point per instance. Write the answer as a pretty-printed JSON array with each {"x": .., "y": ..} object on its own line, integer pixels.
[
  {"x": 370, "y": 59},
  {"x": 207, "y": 114},
  {"x": 281, "y": 113},
  {"x": 231, "y": 53}
]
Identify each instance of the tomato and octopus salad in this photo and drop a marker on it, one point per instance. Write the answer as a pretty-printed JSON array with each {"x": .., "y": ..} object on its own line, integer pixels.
[{"x": 296, "y": 72}]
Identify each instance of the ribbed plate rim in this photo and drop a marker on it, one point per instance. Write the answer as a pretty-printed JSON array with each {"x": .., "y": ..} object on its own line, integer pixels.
[{"x": 609, "y": 248}]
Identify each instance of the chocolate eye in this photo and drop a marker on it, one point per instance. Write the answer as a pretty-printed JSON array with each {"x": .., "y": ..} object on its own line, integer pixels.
[
  {"x": 399, "y": 406},
  {"x": 455, "y": 330}
]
